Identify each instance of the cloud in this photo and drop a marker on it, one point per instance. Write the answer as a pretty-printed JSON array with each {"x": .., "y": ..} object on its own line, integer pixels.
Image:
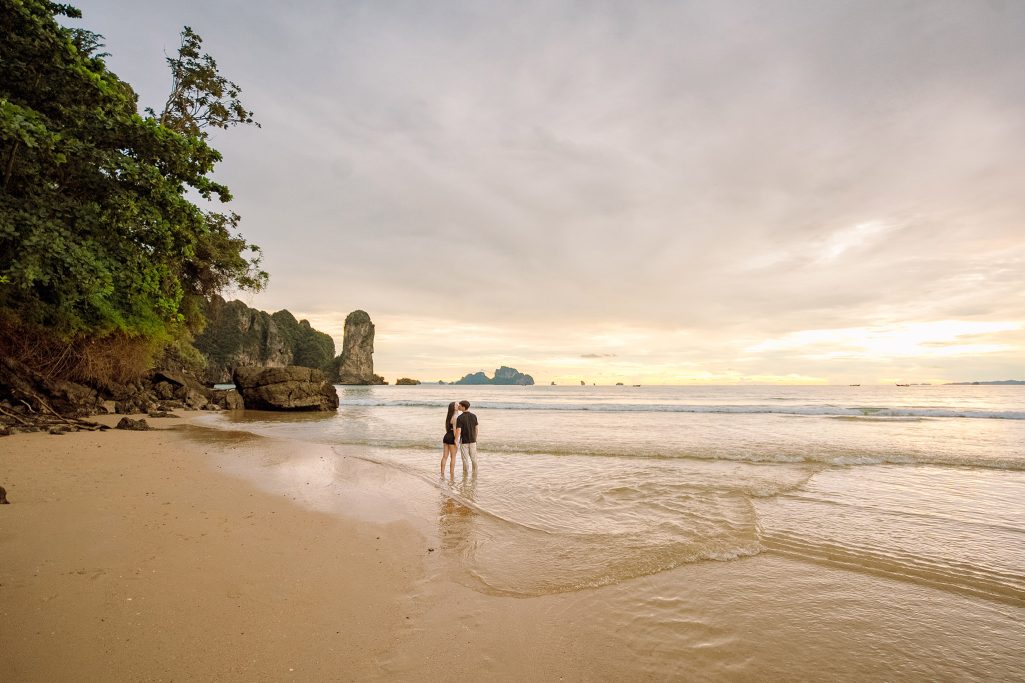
[{"x": 698, "y": 178}]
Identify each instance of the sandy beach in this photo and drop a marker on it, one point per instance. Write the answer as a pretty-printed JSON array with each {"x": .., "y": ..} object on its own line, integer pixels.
[
  {"x": 198, "y": 553},
  {"x": 133, "y": 556},
  {"x": 126, "y": 556}
]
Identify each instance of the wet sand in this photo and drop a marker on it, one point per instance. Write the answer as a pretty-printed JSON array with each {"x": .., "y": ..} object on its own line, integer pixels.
[{"x": 198, "y": 553}]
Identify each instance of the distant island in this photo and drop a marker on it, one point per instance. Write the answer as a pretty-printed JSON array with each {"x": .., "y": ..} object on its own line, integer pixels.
[
  {"x": 996, "y": 381},
  {"x": 503, "y": 375}
]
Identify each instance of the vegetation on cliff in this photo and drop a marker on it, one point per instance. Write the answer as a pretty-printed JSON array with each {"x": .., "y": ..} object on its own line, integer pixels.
[
  {"x": 237, "y": 335},
  {"x": 104, "y": 256}
]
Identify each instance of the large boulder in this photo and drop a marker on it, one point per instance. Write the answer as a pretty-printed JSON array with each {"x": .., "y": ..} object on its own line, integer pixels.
[{"x": 288, "y": 388}]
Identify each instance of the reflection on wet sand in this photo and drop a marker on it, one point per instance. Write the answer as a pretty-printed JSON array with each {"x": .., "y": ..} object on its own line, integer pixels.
[{"x": 456, "y": 520}]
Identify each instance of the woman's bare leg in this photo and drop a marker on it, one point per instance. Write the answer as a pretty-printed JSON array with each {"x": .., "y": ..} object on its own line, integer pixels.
[{"x": 449, "y": 454}]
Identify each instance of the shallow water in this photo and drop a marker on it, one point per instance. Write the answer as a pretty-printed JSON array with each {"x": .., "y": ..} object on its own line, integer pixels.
[{"x": 919, "y": 491}]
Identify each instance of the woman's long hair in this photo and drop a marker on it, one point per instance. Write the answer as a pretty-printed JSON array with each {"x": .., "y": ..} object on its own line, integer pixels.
[{"x": 448, "y": 418}]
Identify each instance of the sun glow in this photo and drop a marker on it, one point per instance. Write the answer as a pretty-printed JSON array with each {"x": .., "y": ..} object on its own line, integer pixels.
[{"x": 939, "y": 339}]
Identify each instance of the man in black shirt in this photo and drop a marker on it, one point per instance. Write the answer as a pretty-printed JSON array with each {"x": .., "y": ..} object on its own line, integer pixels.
[{"x": 466, "y": 435}]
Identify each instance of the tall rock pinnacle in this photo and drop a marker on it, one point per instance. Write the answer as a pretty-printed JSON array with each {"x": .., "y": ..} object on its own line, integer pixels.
[{"x": 356, "y": 363}]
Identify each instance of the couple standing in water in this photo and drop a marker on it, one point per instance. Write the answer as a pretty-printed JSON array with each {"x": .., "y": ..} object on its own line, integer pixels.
[{"x": 461, "y": 435}]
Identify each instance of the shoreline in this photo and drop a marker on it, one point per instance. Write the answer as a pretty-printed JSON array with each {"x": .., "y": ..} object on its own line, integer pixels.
[{"x": 211, "y": 552}]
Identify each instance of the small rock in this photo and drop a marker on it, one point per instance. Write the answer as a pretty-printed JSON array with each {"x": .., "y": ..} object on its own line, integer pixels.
[
  {"x": 134, "y": 425},
  {"x": 161, "y": 413},
  {"x": 163, "y": 390},
  {"x": 3, "y": 496},
  {"x": 195, "y": 399},
  {"x": 57, "y": 429}
]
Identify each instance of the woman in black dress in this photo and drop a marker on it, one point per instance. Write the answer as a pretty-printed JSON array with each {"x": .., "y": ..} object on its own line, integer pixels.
[{"x": 450, "y": 448}]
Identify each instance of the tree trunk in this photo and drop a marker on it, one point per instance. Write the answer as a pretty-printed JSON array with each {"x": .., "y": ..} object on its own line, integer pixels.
[{"x": 9, "y": 166}]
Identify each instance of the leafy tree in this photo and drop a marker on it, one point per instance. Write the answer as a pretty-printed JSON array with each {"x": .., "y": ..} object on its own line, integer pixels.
[
  {"x": 200, "y": 96},
  {"x": 97, "y": 234}
]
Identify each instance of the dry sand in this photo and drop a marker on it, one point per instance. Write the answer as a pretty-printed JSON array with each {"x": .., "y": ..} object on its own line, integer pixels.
[{"x": 128, "y": 556}]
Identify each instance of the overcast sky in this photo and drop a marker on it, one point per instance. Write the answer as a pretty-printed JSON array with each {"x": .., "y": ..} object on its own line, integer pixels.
[{"x": 664, "y": 192}]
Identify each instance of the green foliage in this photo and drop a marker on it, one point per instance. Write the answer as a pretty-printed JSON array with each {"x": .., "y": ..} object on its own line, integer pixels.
[
  {"x": 310, "y": 348},
  {"x": 97, "y": 235},
  {"x": 200, "y": 95}
]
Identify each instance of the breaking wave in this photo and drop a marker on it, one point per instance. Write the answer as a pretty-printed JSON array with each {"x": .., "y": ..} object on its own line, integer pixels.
[{"x": 870, "y": 412}]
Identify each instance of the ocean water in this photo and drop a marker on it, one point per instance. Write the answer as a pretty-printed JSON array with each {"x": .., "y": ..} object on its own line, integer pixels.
[{"x": 915, "y": 491}]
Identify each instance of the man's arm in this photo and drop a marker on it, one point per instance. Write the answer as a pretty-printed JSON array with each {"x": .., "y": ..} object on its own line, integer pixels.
[{"x": 457, "y": 430}]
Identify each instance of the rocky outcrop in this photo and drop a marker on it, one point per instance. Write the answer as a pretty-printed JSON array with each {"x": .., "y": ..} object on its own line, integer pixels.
[
  {"x": 21, "y": 386},
  {"x": 237, "y": 335},
  {"x": 406, "y": 381},
  {"x": 30, "y": 403},
  {"x": 355, "y": 365},
  {"x": 287, "y": 388},
  {"x": 503, "y": 375}
]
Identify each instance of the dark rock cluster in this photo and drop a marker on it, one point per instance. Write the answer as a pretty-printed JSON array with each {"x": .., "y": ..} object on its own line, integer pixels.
[{"x": 30, "y": 402}]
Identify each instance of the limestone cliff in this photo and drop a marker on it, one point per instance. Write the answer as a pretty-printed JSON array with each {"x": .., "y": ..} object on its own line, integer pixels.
[
  {"x": 237, "y": 336},
  {"x": 355, "y": 365}
]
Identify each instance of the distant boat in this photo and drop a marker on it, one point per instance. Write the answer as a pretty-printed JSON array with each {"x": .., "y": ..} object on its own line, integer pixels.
[
  {"x": 854, "y": 385},
  {"x": 637, "y": 385},
  {"x": 903, "y": 385},
  {"x": 553, "y": 384},
  {"x": 581, "y": 382}
]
